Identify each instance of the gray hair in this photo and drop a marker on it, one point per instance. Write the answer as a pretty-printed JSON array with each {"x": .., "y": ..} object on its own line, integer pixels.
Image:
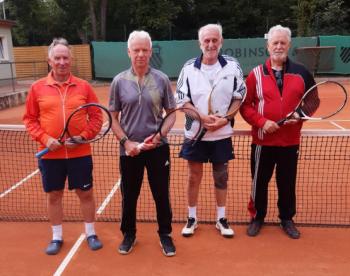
[
  {"x": 216, "y": 27},
  {"x": 279, "y": 28},
  {"x": 57, "y": 41},
  {"x": 139, "y": 34}
]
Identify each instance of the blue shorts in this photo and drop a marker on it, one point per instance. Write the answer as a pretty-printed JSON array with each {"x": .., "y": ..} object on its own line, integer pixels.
[
  {"x": 54, "y": 173},
  {"x": 219, "y": 151}
]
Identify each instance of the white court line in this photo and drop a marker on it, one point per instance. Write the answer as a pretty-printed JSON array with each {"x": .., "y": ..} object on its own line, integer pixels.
[
  {"x": 77, "y": 244},
  {"x": 19, "y": 183},
  {"x": 69, "y": 256},
  {"x": 108, "y": 198},
  {"x": 338, "y": 126}
]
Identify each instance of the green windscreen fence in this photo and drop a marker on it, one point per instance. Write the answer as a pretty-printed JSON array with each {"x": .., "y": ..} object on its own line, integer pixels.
[
  {"x": 110, "y": 58},
  {"x": 341, "y": 54},
  {"x": 318, "y": 59}
]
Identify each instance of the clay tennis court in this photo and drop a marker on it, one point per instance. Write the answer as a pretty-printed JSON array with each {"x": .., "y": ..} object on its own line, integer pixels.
[{"x": 320, "y": 251}]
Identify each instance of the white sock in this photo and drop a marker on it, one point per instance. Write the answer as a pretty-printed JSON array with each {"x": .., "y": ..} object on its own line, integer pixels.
[
  {"x": 192, "y": 212},
  {"x": 90, "y": 229},
  {"x": 220, "y": 212},
  {"x": 57, "y": 232}
]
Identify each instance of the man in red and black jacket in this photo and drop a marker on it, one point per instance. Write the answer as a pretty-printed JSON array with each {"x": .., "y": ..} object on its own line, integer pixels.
[{"x": 273, "y": 90}]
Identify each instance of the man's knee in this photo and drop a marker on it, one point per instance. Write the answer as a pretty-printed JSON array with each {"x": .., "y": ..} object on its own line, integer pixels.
[
  {"x": 55, "y": 197},
  {"x": 85, "y": 196},
  {"x": 220, "y": 175}
]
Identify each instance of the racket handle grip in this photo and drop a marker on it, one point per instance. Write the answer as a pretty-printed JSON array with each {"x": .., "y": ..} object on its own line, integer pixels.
[
  {"x": 41, "y": 153},
  {"x": 139, "y": 147},
  {"x": 200, "y": 136},
  {"x": 280, "y": 122}
]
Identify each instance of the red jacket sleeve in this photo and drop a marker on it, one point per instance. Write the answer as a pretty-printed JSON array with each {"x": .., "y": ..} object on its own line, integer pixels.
[
  {"x": 249, "y": 108},
  {"x": 31, "y": 118}
]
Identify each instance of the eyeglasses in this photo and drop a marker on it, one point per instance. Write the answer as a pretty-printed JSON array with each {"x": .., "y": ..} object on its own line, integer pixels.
[{"x": 278, "y": 76}]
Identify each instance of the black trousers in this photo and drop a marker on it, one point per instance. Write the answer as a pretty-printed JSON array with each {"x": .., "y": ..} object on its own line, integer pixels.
[
  {"x": 157, "y": 164},
  {"x": 264, "y": 159}
]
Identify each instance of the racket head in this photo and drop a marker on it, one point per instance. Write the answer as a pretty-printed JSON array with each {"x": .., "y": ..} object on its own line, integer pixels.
[
  {"x": 92, "y": 120},
  {"x": 227, "y": 105},
  {"x": 323, "y": 100},
  {"x": 237, "y": 100},
  {"x": 192, "y": 123}
]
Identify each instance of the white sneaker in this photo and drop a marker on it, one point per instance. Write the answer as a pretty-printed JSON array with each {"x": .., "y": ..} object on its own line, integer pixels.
[
  {"x": 224, "y": 228},
  {"x": 189, "y": 228}
]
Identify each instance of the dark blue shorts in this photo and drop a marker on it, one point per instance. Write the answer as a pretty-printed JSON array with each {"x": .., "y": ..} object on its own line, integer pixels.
[
  {"x": 219, "y": 151},
  {"x": 54, "y": 173}
]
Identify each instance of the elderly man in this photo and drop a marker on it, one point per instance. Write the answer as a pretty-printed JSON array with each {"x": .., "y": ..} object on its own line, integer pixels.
[
  {"x": 139, "y": 95},
  {"x": 197, "y": 79},
  {"x": 49, "y": 103},
  {"x": 273, "y": 91}
]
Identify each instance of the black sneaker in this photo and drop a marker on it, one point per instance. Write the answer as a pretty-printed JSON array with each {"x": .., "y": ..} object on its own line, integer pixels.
[
  {"x": 127, "y": 244},
  {"x": 166, "y": 242},
  {"x": 254, "y": 227},
  {"x": 289, "y": 228}
]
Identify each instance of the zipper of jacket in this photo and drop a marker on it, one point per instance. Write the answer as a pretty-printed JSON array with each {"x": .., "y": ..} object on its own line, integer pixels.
[
  {"x": 139, "y": 92},
  {"x": 63, "y": 100}
]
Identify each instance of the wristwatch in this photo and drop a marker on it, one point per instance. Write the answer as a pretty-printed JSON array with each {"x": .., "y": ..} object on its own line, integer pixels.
[{"x": 123, "y": 140}]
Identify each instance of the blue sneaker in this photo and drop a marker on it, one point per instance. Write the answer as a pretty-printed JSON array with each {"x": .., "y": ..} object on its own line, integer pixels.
[
  {"x": 54, "y": 247},
  {"x": 94, "y": 243}
]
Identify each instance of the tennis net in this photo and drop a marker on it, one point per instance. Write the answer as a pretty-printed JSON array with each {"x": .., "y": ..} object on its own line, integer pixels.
[{"x": 323, "y": 190}]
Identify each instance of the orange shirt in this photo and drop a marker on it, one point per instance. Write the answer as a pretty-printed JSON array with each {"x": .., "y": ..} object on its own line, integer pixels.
[{"x": 48, "y": 106}]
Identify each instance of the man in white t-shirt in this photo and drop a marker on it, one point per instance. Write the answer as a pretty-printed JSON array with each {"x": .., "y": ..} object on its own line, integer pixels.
[{"x": 211, "y": 72}]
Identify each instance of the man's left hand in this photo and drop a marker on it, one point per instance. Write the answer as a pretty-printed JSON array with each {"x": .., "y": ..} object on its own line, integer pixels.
[
  {"x": 151, "y": 142},
  {"x": 293, "y": 120},
  {"x": 215, "y": 123},
  {"x": 73, "y": 143}
]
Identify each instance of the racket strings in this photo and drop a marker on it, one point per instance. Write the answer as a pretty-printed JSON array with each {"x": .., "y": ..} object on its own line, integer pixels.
[
  {"x": 325, "y": 100},
  {"x": 92, "y": 119},
  {"x": 188, "y": 122},
  {"x": 310, "y": 103},
  {"x": 193, "y": 123},
  {"x": 168, "y": 124}
]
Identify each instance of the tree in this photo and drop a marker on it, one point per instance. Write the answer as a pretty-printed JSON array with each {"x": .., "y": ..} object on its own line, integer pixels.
[
  {"x": 33, "y": 21},
  {"x": 38, "y": 21},
  {"x": 330, "y": 17}
]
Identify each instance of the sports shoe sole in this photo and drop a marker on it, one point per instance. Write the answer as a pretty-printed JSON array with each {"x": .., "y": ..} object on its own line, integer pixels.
[
  {"x": 186, "y": 235},
  {"x": 127, "y": 252}
]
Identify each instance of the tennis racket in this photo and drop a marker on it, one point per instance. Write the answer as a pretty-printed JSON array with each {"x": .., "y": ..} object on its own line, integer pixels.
[
  {"x": 237, "y": 99},
  {"x": 88, "y": 123},
  {"x": 321, "y": 101},
  {"x": 192, "y": 122}
]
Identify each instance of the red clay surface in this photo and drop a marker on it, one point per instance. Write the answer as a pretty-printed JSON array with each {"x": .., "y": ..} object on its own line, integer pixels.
[{"x": 319, "y": 251}]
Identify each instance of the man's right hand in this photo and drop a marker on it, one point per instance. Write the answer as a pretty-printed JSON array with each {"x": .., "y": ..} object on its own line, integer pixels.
[
  {"x": 53, "y": 144},
  {"x": 131, "y": 148},
  {"x": 270, "y": 127}
]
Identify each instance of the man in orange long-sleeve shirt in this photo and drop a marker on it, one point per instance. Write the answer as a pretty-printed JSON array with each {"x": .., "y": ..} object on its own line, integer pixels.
[{"x": 49, "y": 103}]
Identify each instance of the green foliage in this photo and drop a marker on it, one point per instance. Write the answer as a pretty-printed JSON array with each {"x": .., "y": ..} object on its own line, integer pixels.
[
  {"x": 38, "y": 21},
  {"x": 331, "y": 17}
]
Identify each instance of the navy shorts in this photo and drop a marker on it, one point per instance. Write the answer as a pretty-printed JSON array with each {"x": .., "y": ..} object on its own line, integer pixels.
[
  {"x": 54, "y": 173},
  {"x": 219, "y": 151}
]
